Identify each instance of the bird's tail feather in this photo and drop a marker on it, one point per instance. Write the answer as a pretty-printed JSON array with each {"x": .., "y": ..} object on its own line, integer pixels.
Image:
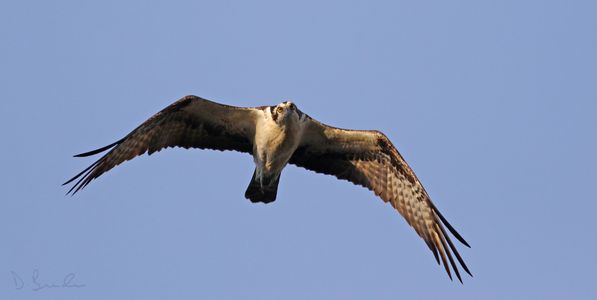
[{"x": 266, "y": 193}]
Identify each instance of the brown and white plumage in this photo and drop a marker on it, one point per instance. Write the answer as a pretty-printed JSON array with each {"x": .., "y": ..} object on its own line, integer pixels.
[
  {"x": 190, "y": 122},
  {"x": 369, "y": 159},
  {"x": 281, "y": 134}
]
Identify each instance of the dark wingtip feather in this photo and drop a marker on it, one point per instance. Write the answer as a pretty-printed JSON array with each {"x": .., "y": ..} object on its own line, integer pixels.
[
  {"x": 80, "y": 183},
  {"x": 452, "y": 230},
  {"x": 442, "y": 252},
  {"x": 455, "y": 251},
  {"x": 100, "y": 150},
  {"x": 454, "y": 267},
  {"x": 433, "y": 250},
  {"x": 449, "y": 274},
  {"x": 83, "y": 175},
  {"x": 436, "y": 255}
]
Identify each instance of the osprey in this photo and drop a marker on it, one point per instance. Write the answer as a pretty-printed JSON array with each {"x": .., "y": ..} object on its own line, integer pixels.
[{"x": 276, "y": 136}]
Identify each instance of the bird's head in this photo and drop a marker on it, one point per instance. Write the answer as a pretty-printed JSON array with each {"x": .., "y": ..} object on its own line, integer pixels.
[{"x": 285, "y": 111}]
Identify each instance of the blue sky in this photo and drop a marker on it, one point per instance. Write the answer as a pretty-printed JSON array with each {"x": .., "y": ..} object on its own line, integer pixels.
[{"x": 493, "y": 104}]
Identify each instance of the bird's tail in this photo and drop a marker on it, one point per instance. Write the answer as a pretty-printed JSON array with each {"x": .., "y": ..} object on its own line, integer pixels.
[{"x": 266, "y": 193}]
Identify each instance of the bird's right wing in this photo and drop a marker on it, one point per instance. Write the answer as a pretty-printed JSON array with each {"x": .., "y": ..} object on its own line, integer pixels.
[
  {"x": 368, "y": 158},
  {"x": 190, "y": 122}
]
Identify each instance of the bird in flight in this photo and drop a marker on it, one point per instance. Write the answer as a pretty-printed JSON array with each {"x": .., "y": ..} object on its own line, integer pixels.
[{"x": 279, "y": 135}]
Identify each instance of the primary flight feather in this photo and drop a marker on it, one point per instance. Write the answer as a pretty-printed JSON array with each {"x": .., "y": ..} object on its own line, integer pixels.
[{"x": 282, "y": 134}]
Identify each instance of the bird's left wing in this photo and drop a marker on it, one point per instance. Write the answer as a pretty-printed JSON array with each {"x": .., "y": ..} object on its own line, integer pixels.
[
  {"x": 190, "y": 122},
  {"x": 369, "y": 159}
]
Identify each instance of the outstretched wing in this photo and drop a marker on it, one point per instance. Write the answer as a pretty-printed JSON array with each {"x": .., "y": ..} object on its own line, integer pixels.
[
  {"x": 190, "y": 122},
  {"x": 369, "y": 159}
]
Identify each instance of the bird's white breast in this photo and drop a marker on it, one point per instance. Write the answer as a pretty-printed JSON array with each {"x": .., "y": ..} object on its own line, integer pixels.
[{"x": 274, "y": 144}]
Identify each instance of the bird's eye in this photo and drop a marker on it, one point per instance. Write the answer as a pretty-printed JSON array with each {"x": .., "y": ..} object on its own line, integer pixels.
[{"x": 279, "y": 109}]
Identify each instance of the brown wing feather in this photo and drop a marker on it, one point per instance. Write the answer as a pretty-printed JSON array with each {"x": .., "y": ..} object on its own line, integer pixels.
[
  {"x": 369, "y": 159},
  {"x": 190, "y": 122}
]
